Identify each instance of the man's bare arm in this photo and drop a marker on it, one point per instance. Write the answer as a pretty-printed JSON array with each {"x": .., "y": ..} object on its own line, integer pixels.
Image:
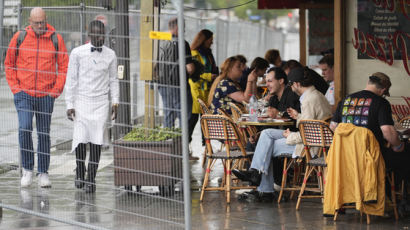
[{"x": 390, "y": 134}]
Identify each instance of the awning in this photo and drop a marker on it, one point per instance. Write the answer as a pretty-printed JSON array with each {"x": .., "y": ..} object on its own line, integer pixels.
[
  {"x": 287, "y": 4},
  {"x": 279, "y": 4}
]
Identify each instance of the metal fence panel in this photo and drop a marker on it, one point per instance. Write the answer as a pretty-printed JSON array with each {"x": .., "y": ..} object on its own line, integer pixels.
[{"x": 139, "y": 183}]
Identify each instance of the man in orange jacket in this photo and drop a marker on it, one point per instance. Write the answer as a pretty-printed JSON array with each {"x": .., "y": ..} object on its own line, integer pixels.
[{"x": 32, "y": 76}]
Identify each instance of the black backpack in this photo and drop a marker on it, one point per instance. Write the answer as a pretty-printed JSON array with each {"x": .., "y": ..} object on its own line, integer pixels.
[{"x": 22, "y": 36}]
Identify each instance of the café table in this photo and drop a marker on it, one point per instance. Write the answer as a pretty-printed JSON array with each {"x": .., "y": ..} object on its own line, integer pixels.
[{"x": 265, "y": 121}]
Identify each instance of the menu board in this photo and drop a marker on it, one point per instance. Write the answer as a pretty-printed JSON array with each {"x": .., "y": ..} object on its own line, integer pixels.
[
  {"x": 383, "y": 29},
  {"x": 320, "y": 30}
]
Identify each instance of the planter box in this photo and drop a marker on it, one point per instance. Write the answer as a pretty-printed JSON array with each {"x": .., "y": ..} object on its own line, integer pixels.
[{"x": 146, "y": 163}]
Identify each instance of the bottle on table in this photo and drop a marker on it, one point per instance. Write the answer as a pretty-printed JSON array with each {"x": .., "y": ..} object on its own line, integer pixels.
[{"x": 253, "y": 108}]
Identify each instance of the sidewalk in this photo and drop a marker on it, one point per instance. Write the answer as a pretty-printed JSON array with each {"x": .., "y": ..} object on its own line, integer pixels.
[{"x": 114, "y": 208}]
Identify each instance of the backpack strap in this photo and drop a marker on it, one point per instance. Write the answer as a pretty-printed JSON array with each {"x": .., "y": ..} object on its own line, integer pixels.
[
  {"x": 22, "y": 36},
  {"x": 54, "y": 39},
  {"x": 20, "y": 39}
]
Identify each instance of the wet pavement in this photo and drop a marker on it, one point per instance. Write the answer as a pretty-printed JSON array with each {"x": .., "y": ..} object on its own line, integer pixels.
[{"x": 114, "y": 207}]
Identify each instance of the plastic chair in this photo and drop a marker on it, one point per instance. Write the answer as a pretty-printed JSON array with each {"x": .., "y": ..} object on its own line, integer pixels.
[
  {"x": 222, "y": 128},
  {"x": 314, "y": 133}
]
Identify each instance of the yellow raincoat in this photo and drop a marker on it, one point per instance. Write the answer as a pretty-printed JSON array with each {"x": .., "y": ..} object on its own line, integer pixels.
[
  {"x": 200, "y": 88},
  {"x": 355, "y": 171}
]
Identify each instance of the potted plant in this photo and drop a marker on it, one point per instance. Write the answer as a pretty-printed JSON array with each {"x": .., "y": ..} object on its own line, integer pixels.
[{"x": 146, "y": 157}]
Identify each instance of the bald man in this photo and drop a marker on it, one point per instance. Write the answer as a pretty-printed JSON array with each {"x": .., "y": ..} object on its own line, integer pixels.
[{"x": 36, "y": 66}]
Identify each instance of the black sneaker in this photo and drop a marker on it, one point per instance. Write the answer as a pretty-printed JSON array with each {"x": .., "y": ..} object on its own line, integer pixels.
[
  {"x": 267, "y": 197},
  {"x": 251, "y": 175}
]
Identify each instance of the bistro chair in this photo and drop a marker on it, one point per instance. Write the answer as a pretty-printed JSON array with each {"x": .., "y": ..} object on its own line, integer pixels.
[
  {"x": 400, "y": 111},
  {"x": 314, "y": 133},
  {"x": 222, "y": 128},
  {"x": 288, "y": 163},
  {"x": 204, "y": 108},
  {"x": 237, "y": 111},
  {"x": 405, "y": 122}
]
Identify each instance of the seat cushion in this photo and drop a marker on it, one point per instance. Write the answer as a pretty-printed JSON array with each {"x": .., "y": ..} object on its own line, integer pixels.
[
  {"x": 318, "y": 162},
  {"x": 233, "y": 155}
]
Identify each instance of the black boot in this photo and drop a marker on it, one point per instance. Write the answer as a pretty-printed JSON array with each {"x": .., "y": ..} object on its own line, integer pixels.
[
  {"x": 95, "y": 153},
  {"x": 80, "y": 153},
  {"x": 90, "y": 182}
]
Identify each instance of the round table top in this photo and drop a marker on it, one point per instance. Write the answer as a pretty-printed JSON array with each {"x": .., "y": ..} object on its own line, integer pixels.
[{"x": 266, "y": 122}]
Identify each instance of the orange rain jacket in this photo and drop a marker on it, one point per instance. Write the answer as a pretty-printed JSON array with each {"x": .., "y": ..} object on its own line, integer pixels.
[{"x": 34, "y": 70}]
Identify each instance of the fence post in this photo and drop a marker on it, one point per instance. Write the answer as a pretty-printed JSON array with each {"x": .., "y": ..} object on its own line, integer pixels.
[
  {"x": 179, "y": 5},
  {"x": 1, "y": 33},
  {"x": 19, "y": 11},
  {"x": 123, "y": 54},
  {"x": 82, "y": 24}
]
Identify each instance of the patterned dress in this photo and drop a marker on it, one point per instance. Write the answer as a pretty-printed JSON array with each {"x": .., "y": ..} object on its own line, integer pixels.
[{"x": 220, "y": 98}]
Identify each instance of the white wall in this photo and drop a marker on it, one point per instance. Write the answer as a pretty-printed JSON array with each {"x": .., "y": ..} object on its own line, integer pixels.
[{"x": 358, "y": 71}]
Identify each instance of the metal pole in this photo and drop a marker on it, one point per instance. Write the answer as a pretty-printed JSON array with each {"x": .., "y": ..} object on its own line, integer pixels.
[
  {"x": 123, "y": 53},
  {"x": 19, "y": 9},
  {"x": 184, "y": 110},
  {"x": 1, "y": 33},
  {"x": 82, "y": 21}
]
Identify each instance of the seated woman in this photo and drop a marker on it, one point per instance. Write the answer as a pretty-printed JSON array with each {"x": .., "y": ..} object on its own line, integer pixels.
[{"x": 226, "y": 86}]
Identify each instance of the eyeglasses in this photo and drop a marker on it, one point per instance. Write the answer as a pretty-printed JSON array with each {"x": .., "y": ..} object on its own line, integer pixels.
[{"x": 40, "y": 23}]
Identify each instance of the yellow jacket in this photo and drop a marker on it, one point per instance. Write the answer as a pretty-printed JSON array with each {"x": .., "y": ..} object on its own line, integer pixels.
[
  {"x": 199, "y": 89},
  {"x": 355, "y": 171}
]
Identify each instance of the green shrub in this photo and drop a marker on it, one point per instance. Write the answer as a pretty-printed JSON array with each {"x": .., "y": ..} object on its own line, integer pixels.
[{"x": 156, "y": 134}]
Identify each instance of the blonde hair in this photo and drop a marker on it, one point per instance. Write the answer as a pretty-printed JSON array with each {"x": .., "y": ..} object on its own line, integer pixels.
[{"x": 226, "y": 67}]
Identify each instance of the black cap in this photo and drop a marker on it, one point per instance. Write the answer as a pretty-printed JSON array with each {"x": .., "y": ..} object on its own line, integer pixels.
[{"x": 296, "y": 75}]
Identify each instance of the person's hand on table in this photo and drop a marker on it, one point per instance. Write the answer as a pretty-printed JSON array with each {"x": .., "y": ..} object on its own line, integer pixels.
[
  {"x": 286, "y": 133},
  {"x": 292, "y": 113}
]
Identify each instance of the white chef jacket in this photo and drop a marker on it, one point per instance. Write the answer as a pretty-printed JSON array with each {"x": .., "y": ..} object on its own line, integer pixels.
[{"x": 91, "y": 76}]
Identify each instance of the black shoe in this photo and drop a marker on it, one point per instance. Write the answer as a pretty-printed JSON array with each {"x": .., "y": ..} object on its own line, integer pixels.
[
  {"x": 266, "y": 197},
  {"x": 79, "y": 177},
  {"x": 252, "y": 196},
  {"x": 255, "y": 196},
  {"x": 79, "y": 183},
  {"x": 251, "y": 175},
  {"x": 90, "y": 188}
]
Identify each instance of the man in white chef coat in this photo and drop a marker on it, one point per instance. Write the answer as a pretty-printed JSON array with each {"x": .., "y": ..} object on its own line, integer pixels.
[{"x": 91, "y": 76}]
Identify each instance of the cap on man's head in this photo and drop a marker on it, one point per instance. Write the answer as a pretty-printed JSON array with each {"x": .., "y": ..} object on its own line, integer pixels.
[
  {"x": 382, "y": 80},
  {"x": 296, "y": 75}
]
